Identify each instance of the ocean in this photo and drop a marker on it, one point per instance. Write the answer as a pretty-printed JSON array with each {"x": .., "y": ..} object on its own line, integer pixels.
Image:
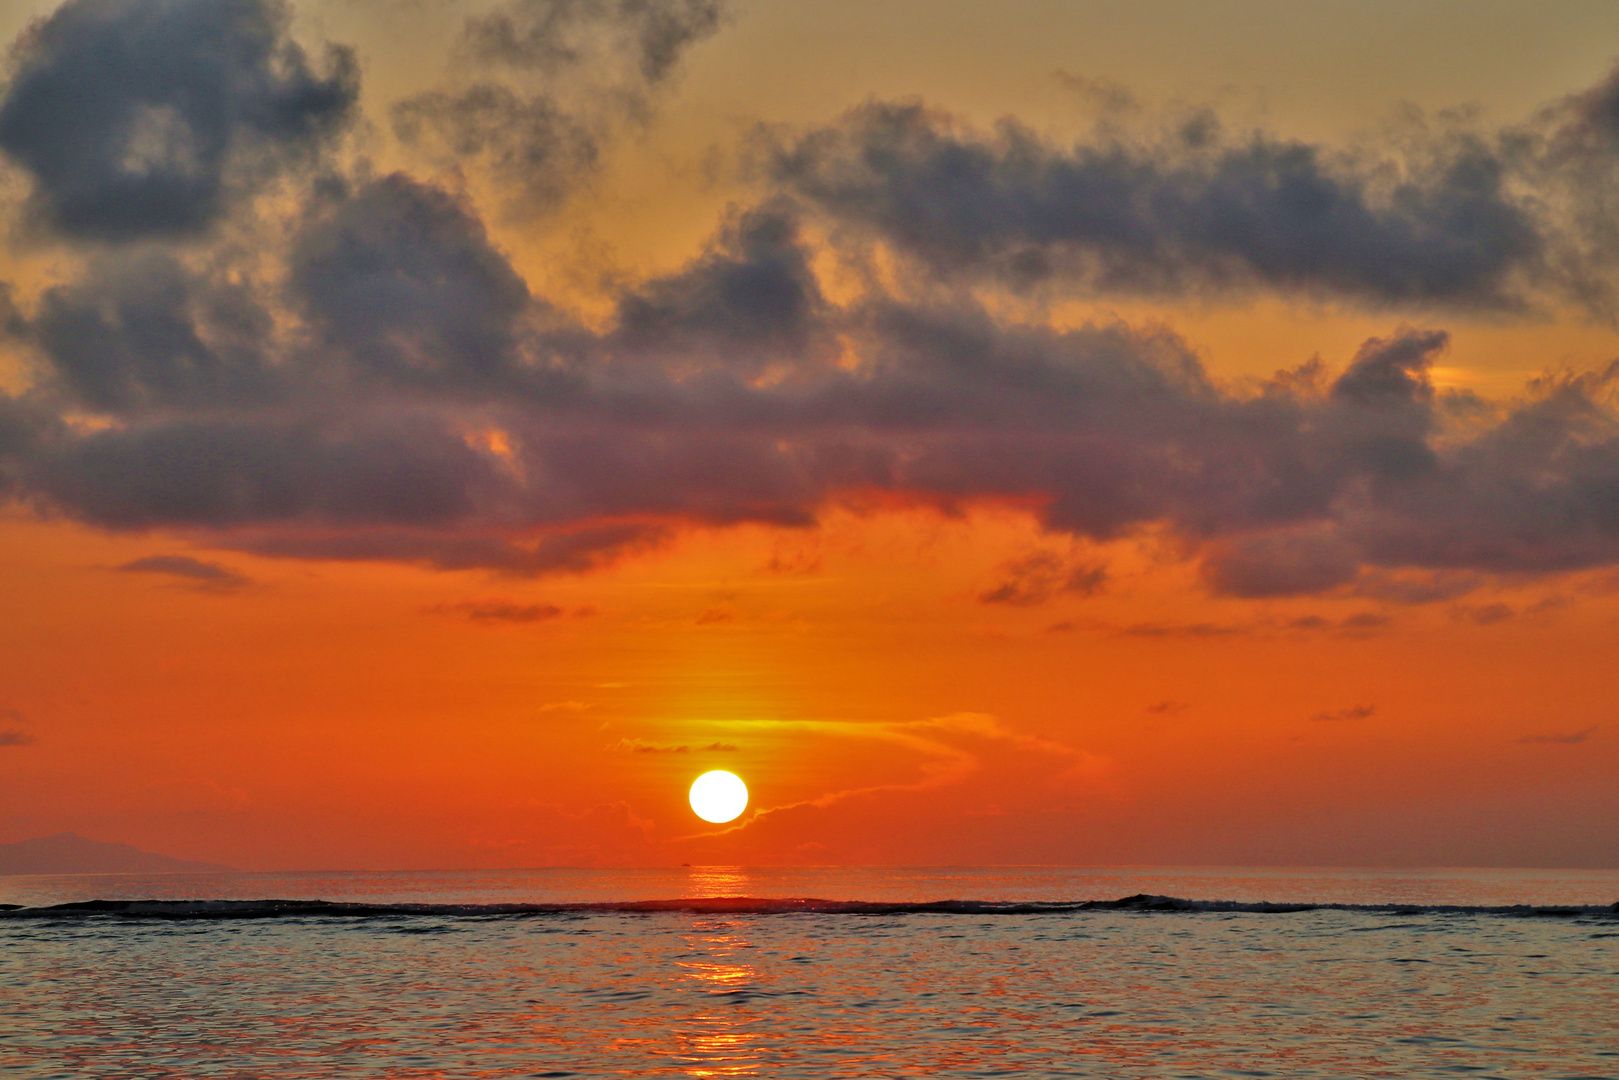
[{"x": 818, "y": 972}]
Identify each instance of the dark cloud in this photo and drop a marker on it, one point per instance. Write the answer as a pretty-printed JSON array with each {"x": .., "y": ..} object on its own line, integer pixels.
[
  {"x": 1364, "y": 621},
  {"x": 552, "y": 36},
  {"x": 12, "y": 736},
  {"x": 1183, "y": 630},
  {"x": 141, "y": 331},
  {"x": 499, "y": 611},
  {"x": 575, "y": 551},
  {"x": 1196, "y": 212},
  {"x": 1041, "y": 575},
  {"x": 142, "y": 118},
  {"x": 1357, "y": 625},
  {"x": 1416, "y": 587},
  {"x": 382, "y": 470},
  {"x": 401, "y": 278},
  {"x": 25, "y": 425},
  {"x": 575, "y": 73},
  {"x": 442, "y": 418},
  {"x": 1571, "y": 739},
  {"x": 1282, "y": 564},
  {"x": 532, "y": 142},
  {"x": 399, "y": 394},
  {"x": 752, "y": 294},
  {"x": 1353, "y": 712},
  {"x": 1484, "y": 614},
  {"x": 204, "y": 575}
]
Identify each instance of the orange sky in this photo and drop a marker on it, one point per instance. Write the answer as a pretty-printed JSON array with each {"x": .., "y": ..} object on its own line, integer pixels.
[{"x": 950, "y": 643}]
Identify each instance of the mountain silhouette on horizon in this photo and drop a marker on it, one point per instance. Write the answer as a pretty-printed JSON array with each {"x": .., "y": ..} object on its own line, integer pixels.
[{"x": 70, "y": 853}]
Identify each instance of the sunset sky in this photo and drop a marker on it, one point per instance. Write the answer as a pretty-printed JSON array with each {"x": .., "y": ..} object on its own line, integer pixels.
[{"x": 432, "y": 432}]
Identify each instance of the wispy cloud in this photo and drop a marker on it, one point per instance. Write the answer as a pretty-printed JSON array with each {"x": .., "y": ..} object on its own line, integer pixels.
[
  {"x": 498, "y": 611},
  {"x": 1183, "y": 630},
  {"x": 204, "y": 576},
  {"x": 1042, "y": 575},
  {"x": 945, "y": 745},
  {"x": 1353, "y": 712},
  {"x": 1554, "y": 739}
]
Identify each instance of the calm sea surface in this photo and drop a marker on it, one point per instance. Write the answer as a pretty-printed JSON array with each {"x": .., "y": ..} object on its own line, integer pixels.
[{"x": 1413, "y": 979}]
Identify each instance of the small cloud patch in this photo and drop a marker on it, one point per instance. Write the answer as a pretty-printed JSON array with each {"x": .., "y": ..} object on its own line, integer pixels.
[
  {"x": 1483, "y": 614},
  {"x": 564, "y": 706},
  {"x": 636, "y": 746},
  {"x": 1182, "y": 630},
  {"x": 1354, "y": 712},
  {"x": 15, "y": 738},
  {"x": 206, "y": 576},
  {"x": 1570, "y": 739},
  {"x": 1041, "y": 575},
  {"x": 498, "y": 611}
]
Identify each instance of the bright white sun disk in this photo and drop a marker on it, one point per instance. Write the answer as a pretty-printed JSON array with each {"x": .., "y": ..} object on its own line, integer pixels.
[{"x": 719, "y": 796}]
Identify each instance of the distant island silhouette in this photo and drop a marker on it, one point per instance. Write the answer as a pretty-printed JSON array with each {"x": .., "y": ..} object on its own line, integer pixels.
[{"x": 70, "y": 853}]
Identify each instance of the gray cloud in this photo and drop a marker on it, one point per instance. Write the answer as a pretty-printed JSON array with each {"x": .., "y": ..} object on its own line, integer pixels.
[
  {"x": 577, "y": 550},
  {"x": 753, "y": 294},
  {"x": 1197, "y": 211},
  {"x": 399, "y": 394},
  {"x": 1484, "y": 614},
  {"x": 1572, "y": 738},
  {"x": 13, "y": 736},
  {"x": 1282, "y": 564},
  {"x": 443, "y": 416},
  {"x": 1041, "y": 575},
  {"x": 499, "y": 611},
  {"x": 141, "y": 118},
  {"x": 1353, "y": 712},
  {"x": 139, "y": 330},
  {"x": 401, "y": 278},
  {"x": 558, "y": 35},
  {"x": 555, "y": 80},
  {"x": 532, "y": 142},
  {"x": 220, "y": 473},
  {"x": 204, "y": 575}
]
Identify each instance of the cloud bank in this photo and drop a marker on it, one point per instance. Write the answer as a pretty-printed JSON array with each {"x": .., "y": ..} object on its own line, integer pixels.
[{"x": 388, "y": 386}]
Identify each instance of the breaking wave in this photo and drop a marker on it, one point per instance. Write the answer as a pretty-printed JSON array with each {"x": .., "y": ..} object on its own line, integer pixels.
[{"x": 746, "y": 905}]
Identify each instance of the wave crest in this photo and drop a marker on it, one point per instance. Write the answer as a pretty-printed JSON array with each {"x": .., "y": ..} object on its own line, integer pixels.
[{"x": 746, "y": 905}]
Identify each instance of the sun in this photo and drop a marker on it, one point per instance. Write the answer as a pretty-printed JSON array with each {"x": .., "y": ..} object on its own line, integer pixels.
[{"x": 719, "y": 796}]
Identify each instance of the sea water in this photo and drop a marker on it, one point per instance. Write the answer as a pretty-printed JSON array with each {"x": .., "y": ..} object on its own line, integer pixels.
[{"x": 989, "y": 972}]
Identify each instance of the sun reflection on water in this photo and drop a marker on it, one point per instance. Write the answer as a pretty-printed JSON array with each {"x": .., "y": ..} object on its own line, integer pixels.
[
  {"x": 717, "y": 881},
  {"x": 720, "y": 1041}
]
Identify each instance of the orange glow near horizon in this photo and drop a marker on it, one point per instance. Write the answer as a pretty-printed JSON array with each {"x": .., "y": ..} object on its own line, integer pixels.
[{"x": 446, "y": 503}]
